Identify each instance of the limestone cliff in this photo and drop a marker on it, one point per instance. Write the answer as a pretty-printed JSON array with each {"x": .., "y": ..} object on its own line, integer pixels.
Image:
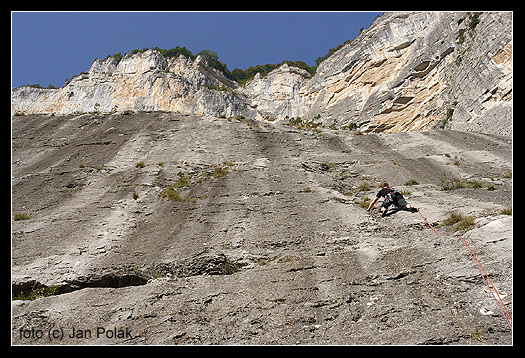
[
  {"x": 279, "y": 93},
  {"x": 407, "y": 71},
  {"x": 139, "y": 82},
  {"x": 411, "y": 71}
]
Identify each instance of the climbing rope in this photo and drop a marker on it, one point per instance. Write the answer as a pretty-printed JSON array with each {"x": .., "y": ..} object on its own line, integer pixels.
[
  {"x": 484, "y": 276},
  {"x": 424, "y": 218}
]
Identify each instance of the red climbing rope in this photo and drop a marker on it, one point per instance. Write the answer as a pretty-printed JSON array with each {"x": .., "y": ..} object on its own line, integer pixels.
[
  {"x": 483, "y": 274},
  {"x": 424, "y": 218},
  {"x": 480, "y": 268}
]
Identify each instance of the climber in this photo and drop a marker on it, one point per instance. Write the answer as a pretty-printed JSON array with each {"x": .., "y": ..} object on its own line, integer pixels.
[{"x": 391, "y": 196}]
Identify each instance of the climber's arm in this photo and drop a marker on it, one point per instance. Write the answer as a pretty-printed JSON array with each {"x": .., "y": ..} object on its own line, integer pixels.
[{"x": 372, "y": 203}]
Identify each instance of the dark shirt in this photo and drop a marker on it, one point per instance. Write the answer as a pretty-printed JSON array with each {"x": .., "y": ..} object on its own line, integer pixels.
[{"x": 383, "y": 192}]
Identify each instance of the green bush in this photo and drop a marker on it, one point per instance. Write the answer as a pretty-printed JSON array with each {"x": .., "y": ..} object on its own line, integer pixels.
[
  {"x": 212, "y": 59},
  {"x": 459, "y": 221},
  {"x": 118, "y": 56},
  {"x": 449, "y": 182},
  {"x": 21, "y": 216},
  {"x": 36, "y": 293},
  {"x": 365, "y": 202},
  {"x": 182, "y": 182},
  {"x": 299, "y": 123},
  {"x": 506, "y": 211},
  {"x": 220, "y": 172},
  {"x": 364, "y": 186},
  {"x": 176, "y": 52},
  {"x": 169, "y": 193},
  {"x": 243, "y": 76},
  {"x": 351, "y": 126}
]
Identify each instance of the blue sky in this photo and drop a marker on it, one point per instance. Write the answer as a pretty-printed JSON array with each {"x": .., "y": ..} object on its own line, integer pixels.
[{"x": 48, "y": 47}]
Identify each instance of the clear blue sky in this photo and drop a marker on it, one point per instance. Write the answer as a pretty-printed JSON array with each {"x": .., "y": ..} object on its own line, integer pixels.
[{"x": 48, "y": 47}]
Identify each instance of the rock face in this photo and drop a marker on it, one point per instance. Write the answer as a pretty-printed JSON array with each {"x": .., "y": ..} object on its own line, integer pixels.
[
  {"x": 139, "y": 82},
  {"x": 156, "y": 202},
  {"x": 278, "y": 95},
  {"x": 408, "y": 71},
  {"x": 158, "y": 228}
]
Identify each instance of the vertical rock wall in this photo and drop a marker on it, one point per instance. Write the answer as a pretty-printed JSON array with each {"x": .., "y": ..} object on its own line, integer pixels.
[{"x": 407, "y": 71}]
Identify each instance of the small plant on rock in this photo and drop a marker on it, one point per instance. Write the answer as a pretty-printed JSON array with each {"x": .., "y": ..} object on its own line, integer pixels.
[{"x": 21, "y": 216}]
